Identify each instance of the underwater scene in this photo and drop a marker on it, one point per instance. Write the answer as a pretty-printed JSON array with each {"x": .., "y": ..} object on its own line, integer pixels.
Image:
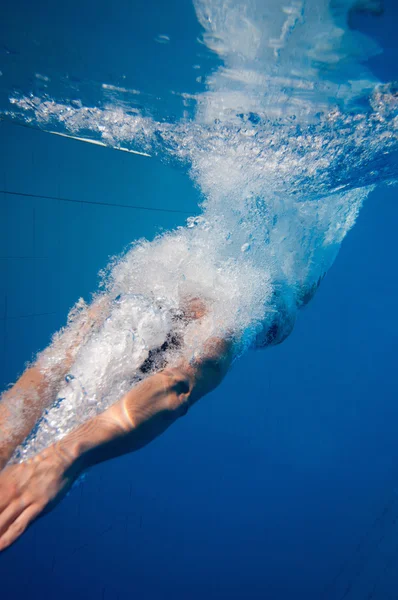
[{"x": 198, "y": 202}]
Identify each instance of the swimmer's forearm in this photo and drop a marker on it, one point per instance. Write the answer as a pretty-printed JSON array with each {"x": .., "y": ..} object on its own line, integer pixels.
[
  {"x": 22, "y": 405},
  {"x": 146, "y": 411},
  {"x": 28, "y": 488},
  {"x": 139, "y": 417}
]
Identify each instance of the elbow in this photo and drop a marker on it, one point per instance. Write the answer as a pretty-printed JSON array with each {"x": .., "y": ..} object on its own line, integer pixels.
[{"x": 179, "y": 391}]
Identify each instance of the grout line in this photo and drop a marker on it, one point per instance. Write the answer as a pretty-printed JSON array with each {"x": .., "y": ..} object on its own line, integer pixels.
[
  {"x": 7, "y": 318},
  {"x": 34, "y": 231},
  {"x": 131, "y": 206},
  {"x": 5, "y": 333}
]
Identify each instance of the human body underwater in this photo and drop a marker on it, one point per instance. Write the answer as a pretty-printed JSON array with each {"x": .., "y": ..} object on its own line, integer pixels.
[{"x": 289, "y": 137}]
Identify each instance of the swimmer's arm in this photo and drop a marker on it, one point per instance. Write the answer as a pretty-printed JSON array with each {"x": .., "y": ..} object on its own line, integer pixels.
[
  {"x": 20, "y": 408},
  {"x": 145, "y": 412},
  {"x": 22, "y": 405}
]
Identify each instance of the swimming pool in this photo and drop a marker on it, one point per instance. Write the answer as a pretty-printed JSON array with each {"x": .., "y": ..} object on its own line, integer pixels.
[{"x": 268, "y": 487}]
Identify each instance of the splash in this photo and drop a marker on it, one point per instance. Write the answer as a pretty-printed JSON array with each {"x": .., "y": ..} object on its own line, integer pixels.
[{"x": 287, "y": 140}]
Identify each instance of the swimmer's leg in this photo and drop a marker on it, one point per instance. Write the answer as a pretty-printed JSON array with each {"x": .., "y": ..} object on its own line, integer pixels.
[{"x": 27, "y": 489}]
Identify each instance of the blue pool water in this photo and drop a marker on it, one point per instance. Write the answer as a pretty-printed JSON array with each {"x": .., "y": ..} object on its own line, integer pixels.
[{"x": 282, "y": 484}]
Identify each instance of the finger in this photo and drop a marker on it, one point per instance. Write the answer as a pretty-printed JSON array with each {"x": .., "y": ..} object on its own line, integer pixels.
[
  {"x": 17, "y": 528},
  {"x": 11, "y": 513}
]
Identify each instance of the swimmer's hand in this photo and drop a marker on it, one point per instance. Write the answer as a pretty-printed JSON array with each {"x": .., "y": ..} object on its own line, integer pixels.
[
  {"x": 29, "y": 489},
  {"x": 145, "y": 412}
]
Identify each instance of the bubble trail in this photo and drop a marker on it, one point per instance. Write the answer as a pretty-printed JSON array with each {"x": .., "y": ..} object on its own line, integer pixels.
[{"x": 287, "y": 140}]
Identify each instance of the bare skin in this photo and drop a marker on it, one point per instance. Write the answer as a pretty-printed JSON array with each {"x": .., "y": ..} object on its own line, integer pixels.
[
  {"x": 37, "y": 387},
  {"x": 29, "y": 488}
]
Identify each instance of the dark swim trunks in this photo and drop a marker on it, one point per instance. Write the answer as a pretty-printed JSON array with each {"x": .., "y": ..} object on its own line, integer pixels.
[{"x": 156, "y": 359}]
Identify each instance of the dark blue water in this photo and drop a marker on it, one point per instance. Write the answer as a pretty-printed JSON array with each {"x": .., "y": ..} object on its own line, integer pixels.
[{"x": 268, "y": 486}]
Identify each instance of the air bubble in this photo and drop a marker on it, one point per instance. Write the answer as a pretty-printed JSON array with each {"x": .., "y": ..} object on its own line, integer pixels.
[{"x": 195, "y": 221}]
